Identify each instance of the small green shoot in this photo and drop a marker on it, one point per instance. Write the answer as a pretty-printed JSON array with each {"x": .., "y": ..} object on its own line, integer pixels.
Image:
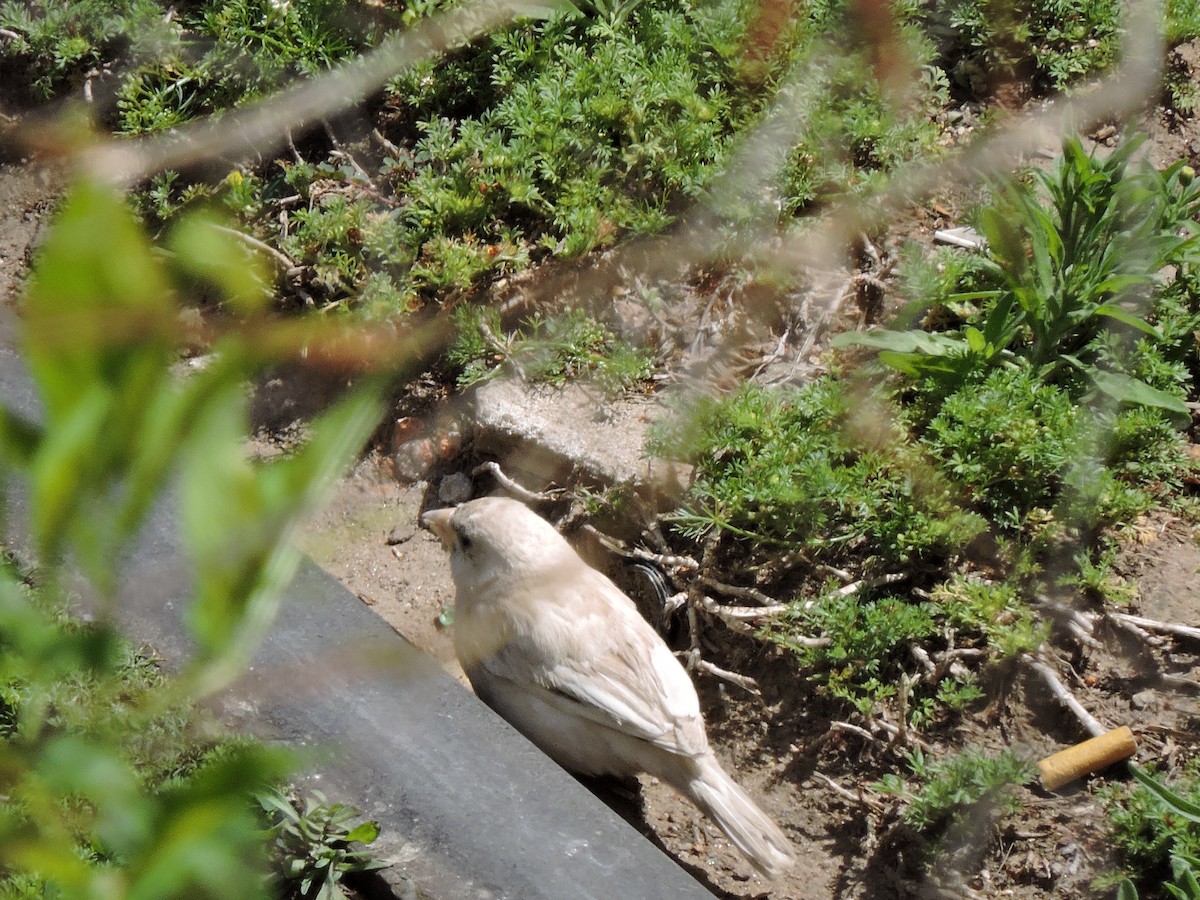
[{"x": 311, "y": 843}]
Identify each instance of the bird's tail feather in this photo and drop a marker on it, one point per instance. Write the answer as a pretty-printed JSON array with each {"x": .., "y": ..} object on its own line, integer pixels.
[{"x": 749, "y": 828}]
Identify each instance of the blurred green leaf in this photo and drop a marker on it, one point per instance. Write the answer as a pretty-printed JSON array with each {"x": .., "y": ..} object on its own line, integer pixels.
[
  {"x": 237, "y": 514},
  {"x": 1171, "y": 800},
  {"x": 98, "y": 309},
  {"x": 210, "y": 250}
]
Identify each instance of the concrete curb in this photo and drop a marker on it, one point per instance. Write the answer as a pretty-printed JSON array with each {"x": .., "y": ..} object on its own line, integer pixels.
[{"x": 469, "y": 809}]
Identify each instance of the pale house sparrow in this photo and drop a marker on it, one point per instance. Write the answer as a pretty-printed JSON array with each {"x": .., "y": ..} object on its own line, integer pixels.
[{"x": 562, "y": 653}]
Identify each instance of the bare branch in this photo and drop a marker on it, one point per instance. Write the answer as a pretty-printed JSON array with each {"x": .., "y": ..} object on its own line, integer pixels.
[
  {"x": 741, "y": 616},
  {"x": 854, "y": 797},
  {"x": 745, "y": 682},
  {"x": 733, "y": 590},
  {"x": 855, "y": 729},
  {"x": 868, "y": 583},
  {"x": 521, "y": 493},
  {"x": 1171, "y": 628},
  {"x": 1090, "y": 723},
  {"x": 619, "y": 547},
  {"x": 282, "y": 259}
]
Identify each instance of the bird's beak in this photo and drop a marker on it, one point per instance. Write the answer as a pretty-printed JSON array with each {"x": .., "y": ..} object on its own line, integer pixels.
[{"x": 438, "y": 521}]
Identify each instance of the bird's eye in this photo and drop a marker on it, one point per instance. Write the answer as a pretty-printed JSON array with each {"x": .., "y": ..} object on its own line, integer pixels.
[{"x": 464, "y": 542}]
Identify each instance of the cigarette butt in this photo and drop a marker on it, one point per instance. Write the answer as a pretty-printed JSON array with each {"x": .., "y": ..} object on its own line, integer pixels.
[{"x": 1086, "y": 758}]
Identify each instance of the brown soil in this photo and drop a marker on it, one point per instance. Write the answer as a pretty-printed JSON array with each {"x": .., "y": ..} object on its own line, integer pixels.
[{"x": 782, "y": 749}]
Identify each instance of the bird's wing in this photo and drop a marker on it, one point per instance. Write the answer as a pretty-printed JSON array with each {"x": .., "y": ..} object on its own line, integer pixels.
[{"x": 594, "y": 656}]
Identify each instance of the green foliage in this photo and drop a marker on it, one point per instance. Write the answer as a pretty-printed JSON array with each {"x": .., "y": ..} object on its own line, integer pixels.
[
  {"x": 852, "y": 133},
  {"x": 549, "y": 139},
  {"x": 551, "y": 349},
  {"x": 97, "y": 808},
  {"x": 215, "y": 55},
  {"x": 251, "y": 47},
  {"x": 1044, "y": 322},
  {"x": 781, "y": 468},
  {"x": 949, "y": 790},
  {"x": 1182, "y": 21},
  {"x": 987, "y": 44},
  {"x": 1064, "y": 274},
  {"x": 591, "y": 130},
  {"x": 61, "y": 39},
  {"x": 1157, "y": 830},
  {"x": 112, "y": 786},
  {"x": 1007, "y": 440},
  {"x": 867, "y": 643},
  {"x": 310, "y": 843},
  {"x": 994, "y": 610},
  {"x": 330, "y": 236}
]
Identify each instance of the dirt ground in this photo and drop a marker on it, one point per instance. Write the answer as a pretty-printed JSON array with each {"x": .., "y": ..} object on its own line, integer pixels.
[
  {"x": 813, "y": 778},
  {"x": 783, "y": 750}
]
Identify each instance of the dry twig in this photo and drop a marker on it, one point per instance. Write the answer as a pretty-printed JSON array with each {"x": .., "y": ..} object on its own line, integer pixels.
[
  {"x": 666, "y": 561},
  {"x": 1090, "y": 723},
  {"x": 280, "y": 258},
  {"x": 745, "y": 682},
  {"x": 521, "y": 493},
  {"x": 744, "y": 593},
  {"x": 860, "y": 797},
  {"x": 1171, "y": 628}
]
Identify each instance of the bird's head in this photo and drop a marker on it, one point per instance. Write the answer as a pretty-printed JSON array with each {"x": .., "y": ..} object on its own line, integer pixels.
[{"x": 495, "y": 540}]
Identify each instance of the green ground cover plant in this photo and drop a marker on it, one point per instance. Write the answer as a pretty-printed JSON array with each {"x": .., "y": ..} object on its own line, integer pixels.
[
  {"x": 571, "y": 346},
  {"x": 1042, "y": 411},
  {"x": 551, "y": 138},
  {"x": 988, "y": 44},
  {"x": 548, "y": 139},
  {"x": 943, "y": 792},
  {"x": 311, "y": 843},
  {"x": 113, "y": 782},
  {"x": 1157, "y": 829}
]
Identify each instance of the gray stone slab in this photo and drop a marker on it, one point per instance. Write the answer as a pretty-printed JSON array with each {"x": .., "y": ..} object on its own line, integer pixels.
[{"x": 569, "y": 433}]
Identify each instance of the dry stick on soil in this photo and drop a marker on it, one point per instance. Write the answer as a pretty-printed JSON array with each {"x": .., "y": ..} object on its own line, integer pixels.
[
  {"x": 899, "y": 734},
  {"x": 1157, "y": 643},
  {"x": 744, "y": 593},
  {"x": 697, "y": 599},
  {"x": 851, "y": 729},
  {"x": 667, "y": 562},
  {"x": 345, "y": 154},
  {"x": 867, "y": 583},
  {"x": 284, "y": 261},
  {"x": 738, "y": 618},
  {"x": 381, "y": 139},
  {"x": 500, "y": 349},
  {"x": 1064, "y": 696},
  {"x": 745, "y": 682},
  {"x": 860, "y": 797},
  {"x": 1078, "y": 624},
  {"x": 1171, "y": 628},
  {"x": 521, "y": 493}
]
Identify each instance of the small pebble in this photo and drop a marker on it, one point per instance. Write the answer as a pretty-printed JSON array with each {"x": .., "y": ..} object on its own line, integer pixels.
[
  {"x": 401, "y": 533},
  {"x": 412, "y": 459},
  {"x": 1143, "y": 699},
  {"x": 455, "y": 488}
]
